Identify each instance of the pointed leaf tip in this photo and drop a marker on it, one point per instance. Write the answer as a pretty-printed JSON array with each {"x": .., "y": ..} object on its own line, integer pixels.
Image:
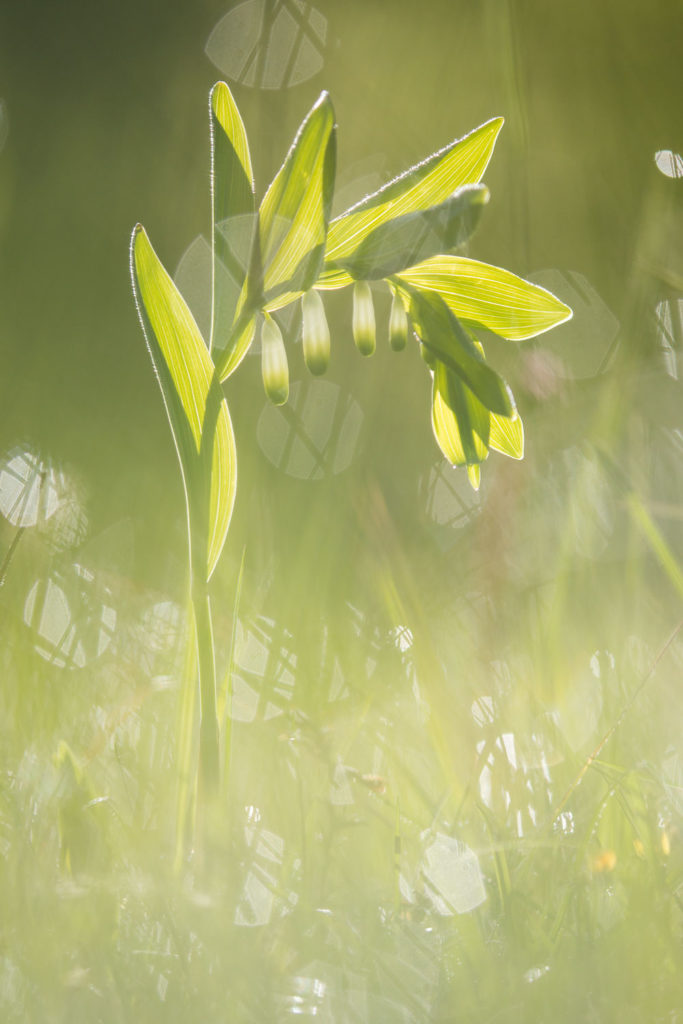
[
  {"x": 232, "y": 215},
  {"x": 474, "y": 476},
  {"x": 324, "y": 99}
]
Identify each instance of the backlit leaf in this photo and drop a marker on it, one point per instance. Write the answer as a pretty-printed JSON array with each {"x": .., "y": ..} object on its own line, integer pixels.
[
  {"x": 194, "y": 402},
  {"x": 427, "y": 184},
  {"x": 232, "y": 206},
  {"x": 295, "y": 211},
  {"x": 474, "y": 476},
  {"x": 459, "y": 420},
  {"x": 507, "y": 435},
  {"x": 490, "y": 296},
  {"x": 241, "y": 337},
  {"x": 403, "y": 241},
  {"x": 440, "y": 331}
]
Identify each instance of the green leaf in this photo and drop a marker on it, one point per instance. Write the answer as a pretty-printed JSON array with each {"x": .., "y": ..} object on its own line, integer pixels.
[
  {"x": 295, "y": 212},
  {"x": 406, "y": 240},
  {"x": 427, "y": 184},
  {"x": 459, "y": 420},
  {"x": 474, "y": 476},
  {"x": 507, "y": 435},
  {"x": 196, "y": 409},
  {"x": 233, "y": 184},
  {"x": 241, "y": 337},
  {"x": 441, "y": 332},
  {"x": 465, "y": 429},
  {"x": 490, "y": 296},
  {"x": 232, "y": 210}
]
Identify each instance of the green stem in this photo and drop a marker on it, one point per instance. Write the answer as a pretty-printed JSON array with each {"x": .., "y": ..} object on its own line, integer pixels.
[{"x": 209, "y": 770}]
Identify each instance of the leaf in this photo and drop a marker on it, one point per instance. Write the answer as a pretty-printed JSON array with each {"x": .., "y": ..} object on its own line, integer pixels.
[
  {"x": 288, "y": 248},
  {"x": 241, "y": 337},
  {"x": 295, "y": 212},
  {"x": 474, "y": 476},
  {"x": 232, "y": 209},
  {"x": 490, "y": 296},
  {"x": 507, "y": 435},
  {"x": 232, "y": 220},
  {"x": 233, "y": 224},
  {"x": 233, "y": 185},
  {"x": 406, "y": 240},
  {"x": 196, "y": 409},
  {"x": 465, "y": 429},
  {"x": 459, "y": 420},
  {"x": 427, "y": 184},
  {"x": 441, "y": 332}
]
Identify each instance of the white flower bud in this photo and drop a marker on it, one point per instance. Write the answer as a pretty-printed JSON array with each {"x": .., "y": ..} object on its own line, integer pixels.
[
  {"x": 274, "y": 367},
  {"x": 316, "y": 333},
  {"x": 363, "y": 318},
  {"x": 398, "y": 325}
]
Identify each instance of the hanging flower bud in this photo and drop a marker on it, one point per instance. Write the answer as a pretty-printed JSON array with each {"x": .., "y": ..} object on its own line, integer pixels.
[
  {"x": 428, "y": 356},
  {"x": 363, "y": 318},
  {"x": 316, "y": 333},
  {"x": 274, "y": 362},
  {"x": 398, "y": 325}
]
